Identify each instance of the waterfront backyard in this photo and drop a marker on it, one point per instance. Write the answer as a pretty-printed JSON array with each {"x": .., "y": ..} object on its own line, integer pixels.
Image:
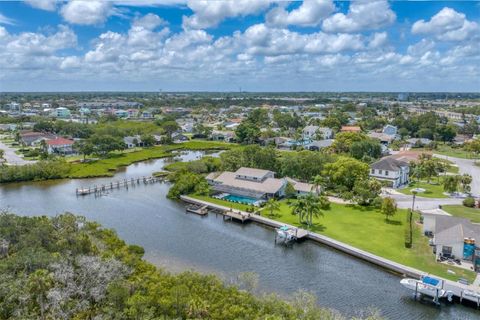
[{"x": 366, "y": 229}]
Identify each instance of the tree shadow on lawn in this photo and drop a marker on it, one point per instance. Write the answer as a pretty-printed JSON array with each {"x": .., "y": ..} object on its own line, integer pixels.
[
  {"x": 315, "y": 227},
  {"x": 394, "y": 222}
]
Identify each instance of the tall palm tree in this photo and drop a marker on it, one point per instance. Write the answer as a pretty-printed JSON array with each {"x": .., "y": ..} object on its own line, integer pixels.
[
  {"x": 299, "y": 209},
  {"x": 272, "y": 206},
  {"x": 313, "y": 208}
]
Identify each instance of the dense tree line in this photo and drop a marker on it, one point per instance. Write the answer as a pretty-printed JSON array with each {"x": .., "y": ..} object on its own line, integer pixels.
[
  {"x": 68, "y": 268},
  {"x": 42, "y": 170}
]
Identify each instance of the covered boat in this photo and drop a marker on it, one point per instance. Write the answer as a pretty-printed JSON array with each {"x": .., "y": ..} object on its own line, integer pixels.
[{"x": 428, "y": 286}]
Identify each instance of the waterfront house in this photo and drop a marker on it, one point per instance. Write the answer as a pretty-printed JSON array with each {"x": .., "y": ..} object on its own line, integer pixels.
[
  {"x": 227, "y": 136},
  {"x": 132, "y": 141},
  {"x": 301, "y": 188},
  {"x": 179, "y": 137},
  {"x": 452, "y": 236},
  {"x": 32, "y": 138},
  {"x": 248, "y": 182},
  {"x": 395, "y": 172},
  {"x": 59, "y": 146}
]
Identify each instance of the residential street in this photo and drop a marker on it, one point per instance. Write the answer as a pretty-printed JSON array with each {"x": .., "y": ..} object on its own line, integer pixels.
[
  {"x": 11, "y": 157},
  {"x": 405, "y": 201},
  {"x": 467, "y": 166}
]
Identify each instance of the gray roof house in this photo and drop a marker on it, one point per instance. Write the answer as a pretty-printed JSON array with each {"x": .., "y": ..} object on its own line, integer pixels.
[
  {"x": 394, "y": 172},
  {"x": 132, "y": 141},
  {"x": 248, "y": 182},
  {"x": 452, "y": 233}
]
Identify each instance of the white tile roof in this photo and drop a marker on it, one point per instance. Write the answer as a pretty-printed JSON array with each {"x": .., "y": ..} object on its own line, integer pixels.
[
  {"x": 269, "y": 185},
  {"x": 251, "y": 172}
]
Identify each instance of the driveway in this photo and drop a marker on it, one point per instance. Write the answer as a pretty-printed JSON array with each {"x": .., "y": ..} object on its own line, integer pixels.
[
  {"x": 421, "y": 203},
  {"x": 467, "y": 166},
  {"x": 11, "y": 157}
]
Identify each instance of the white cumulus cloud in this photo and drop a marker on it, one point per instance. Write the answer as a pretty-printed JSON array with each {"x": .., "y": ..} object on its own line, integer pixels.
[
  {"x": 48, "y": 5},
  {"x": 448, "y": 25},
  {"x": 209, "y": 13},
  {"x": 362, "y": 15},
  {"x": 310, "y": 13},
  {"x": 87, "y": 12}
]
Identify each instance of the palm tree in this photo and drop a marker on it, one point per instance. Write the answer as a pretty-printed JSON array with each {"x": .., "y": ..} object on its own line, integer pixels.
[
  {"x": 314, "y": 207},
  {"x": 299, "y": 208},
  {"x": 318, "y": 184},
  {"x": 272, "y": 206}
]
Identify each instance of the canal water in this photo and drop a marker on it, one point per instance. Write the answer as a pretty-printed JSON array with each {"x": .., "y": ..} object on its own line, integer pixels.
[{"x": 178, "y": 241}]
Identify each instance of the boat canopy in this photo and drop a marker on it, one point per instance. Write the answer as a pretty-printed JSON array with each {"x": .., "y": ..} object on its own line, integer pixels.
[
  {"x": 430, "y": 281},
  {"x": 284, "y": 228}
]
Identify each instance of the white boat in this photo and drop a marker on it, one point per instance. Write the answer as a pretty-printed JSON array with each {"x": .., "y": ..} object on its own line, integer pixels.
[
  {"x": 421, "y": 287},
  {"x": 284, "y": 235},
  {"x": 472, "y": 294}
]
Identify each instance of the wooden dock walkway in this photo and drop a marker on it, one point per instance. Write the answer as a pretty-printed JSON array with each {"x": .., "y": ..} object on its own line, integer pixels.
[
  {"x": 459, "y": 290},
  {"x": 125, "y": 183},
  {"x": 200, "y": 210}
]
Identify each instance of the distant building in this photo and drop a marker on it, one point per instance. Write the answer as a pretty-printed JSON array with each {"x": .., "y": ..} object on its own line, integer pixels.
[
  {"x": 351, "y": 129},
  {"x": 31, "y": 138},
  {"x": 61, "y": 112},
  {"x": 121, "y": 113},
  {"x": 132, "y": 141},
  {"x": 311, "y": 132},
  {"x": 394, "y": 172},
  {"x": 384, "y": 138},
  {"x": 60, "y": 146},
  {"x": 390, "y": 130},
  {"x": 15, "y": 106},
  {"x": 319, "y": 144}
]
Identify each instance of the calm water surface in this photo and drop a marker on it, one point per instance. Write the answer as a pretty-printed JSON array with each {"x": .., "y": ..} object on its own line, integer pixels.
[{"x": 179, "y": 241}]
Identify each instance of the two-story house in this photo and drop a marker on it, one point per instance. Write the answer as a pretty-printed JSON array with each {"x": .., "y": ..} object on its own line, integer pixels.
[{"x": 395, "y": 172}]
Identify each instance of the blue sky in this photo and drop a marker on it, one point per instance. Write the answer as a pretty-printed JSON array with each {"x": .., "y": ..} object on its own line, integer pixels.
[{"x": 258, "y": 45}]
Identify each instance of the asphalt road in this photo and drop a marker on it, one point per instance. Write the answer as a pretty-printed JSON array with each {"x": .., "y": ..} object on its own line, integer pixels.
[
  {"x": 11, "y": 157},
  {"x": 405, "y": 202},
  {"x": 467, "y": 166}
]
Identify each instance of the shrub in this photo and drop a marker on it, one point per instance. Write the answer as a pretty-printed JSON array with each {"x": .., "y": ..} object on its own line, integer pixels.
[
  {"x": 469, "y": 202},
  {"x": 408, "y": 238}
]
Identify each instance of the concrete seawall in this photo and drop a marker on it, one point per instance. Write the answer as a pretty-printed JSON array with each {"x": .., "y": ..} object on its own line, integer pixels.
[{"x": 406, "y": 271}]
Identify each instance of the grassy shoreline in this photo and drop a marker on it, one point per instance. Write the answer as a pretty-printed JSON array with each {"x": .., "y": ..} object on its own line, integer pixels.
[
  {"x": 366, "y": 229},
  {"x": 108, "y": 166}
]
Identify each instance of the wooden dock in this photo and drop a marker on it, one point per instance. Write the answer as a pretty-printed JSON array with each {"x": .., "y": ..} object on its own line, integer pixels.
[
  {"x": 200, "y": 210},
  {"x": 236, "y": 215},
  {"x": 125, "y": 183}
]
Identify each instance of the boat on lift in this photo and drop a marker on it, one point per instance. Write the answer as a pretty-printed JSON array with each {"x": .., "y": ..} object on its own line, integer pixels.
[{"x": 427, "y": 286}]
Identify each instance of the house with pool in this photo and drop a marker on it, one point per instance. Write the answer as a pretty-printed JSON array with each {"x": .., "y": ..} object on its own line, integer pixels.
[{"x": 247, "y": 185}]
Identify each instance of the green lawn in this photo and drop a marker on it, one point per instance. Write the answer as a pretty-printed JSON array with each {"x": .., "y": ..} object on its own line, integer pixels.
[
  {"x": 365, "y": 228},
  {"x": 108, "y": 166},
  {"x": 433, "y": 189},
  {"x": 452, "y": 152},
  {"x": 463, "y": 212}
]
